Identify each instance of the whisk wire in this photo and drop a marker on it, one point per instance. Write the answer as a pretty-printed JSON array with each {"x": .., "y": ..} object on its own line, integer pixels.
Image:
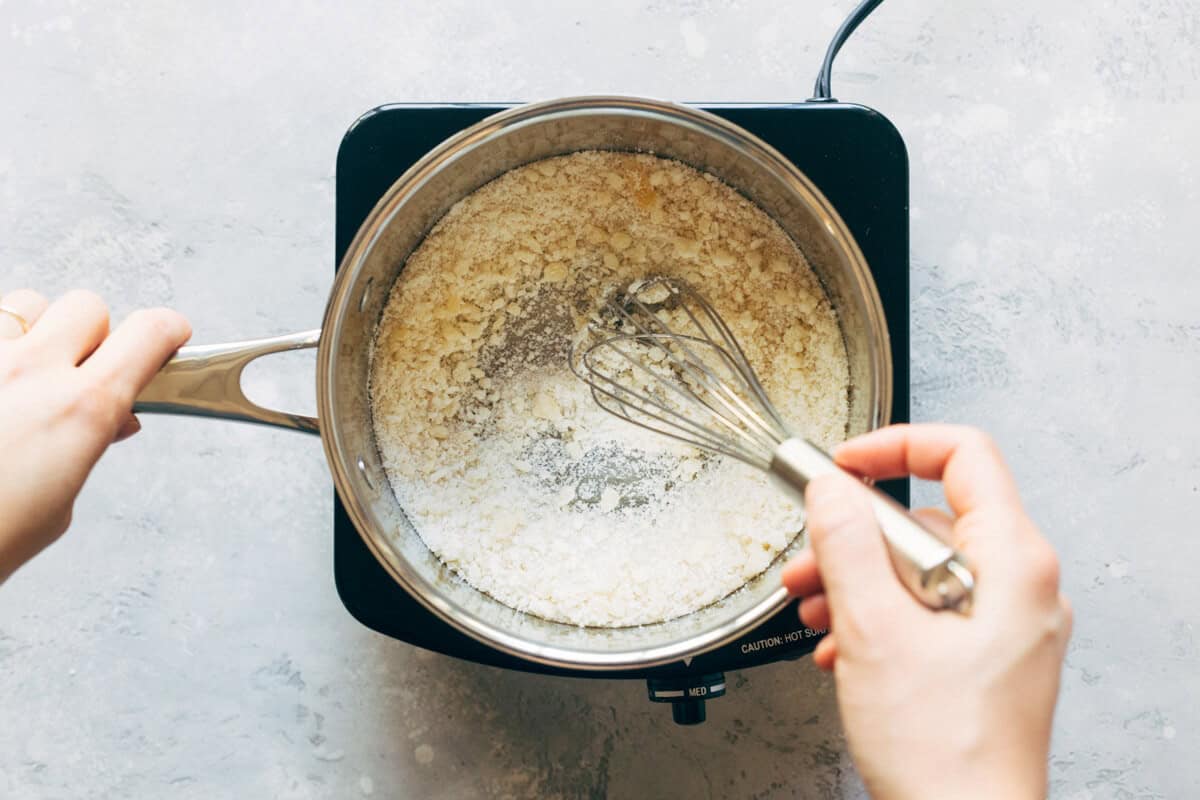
[
  {"x": 721, "y": 446},
  {"x": 646, "y": 405},
  {"x": 701, "y": 385},
  {"x": 699, "y": 370},
  {"x": 731, "y": 346}
]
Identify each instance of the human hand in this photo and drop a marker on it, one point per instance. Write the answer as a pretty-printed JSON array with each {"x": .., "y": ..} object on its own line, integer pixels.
[
  {"x": 934, "y": 704},
  {"x": 66, "y": 392}
]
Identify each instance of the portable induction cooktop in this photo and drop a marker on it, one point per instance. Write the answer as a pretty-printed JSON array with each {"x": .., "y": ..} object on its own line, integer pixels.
[{"x": 853, "y": 154}]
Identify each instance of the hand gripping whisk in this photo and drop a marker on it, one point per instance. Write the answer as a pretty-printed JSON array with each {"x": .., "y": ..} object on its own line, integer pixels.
[{"x": 662, "y": 358}]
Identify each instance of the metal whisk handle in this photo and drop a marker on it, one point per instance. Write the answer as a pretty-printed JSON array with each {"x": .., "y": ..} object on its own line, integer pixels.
[{"x": 934, "y": 572}]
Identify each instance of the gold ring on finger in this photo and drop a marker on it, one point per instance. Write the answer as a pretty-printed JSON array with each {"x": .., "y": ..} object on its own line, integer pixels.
[{"x": 20, "y": 320}]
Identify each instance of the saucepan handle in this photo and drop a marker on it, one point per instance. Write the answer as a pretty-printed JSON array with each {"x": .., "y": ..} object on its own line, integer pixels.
[
  {"x": 206, "y": 381},
  {"x": 934, "y": 572}
]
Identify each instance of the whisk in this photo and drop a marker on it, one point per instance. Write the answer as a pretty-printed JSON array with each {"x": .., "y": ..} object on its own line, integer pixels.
[{"x": 662, "y": 358}]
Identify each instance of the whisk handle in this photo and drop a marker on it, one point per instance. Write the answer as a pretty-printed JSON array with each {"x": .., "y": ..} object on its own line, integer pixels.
[{"x": 934, "y": 572}]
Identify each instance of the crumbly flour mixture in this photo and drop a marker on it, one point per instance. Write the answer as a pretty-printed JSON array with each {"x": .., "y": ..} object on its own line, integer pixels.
[{"x": 507, "y": 468}]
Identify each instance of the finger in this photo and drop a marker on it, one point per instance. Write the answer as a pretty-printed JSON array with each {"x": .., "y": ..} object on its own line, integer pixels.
[
  {"x": 965, "y": 459},
  {"x": 972, "y": 538},
  {"x": 801, "y": 576},
  {"x": 814, "y": 612},
  {"x": 136, "y": 351},
  {"x": 860, "y": 584},
  {"x": 70, "y": 328},
  {"x": 938, "y": 522},
  {"x": 128, "y": 428},
  {"x": 825, "y": 654},
  {"x": 1068, "y": 617},
  {"x": 25, "y": 303}
]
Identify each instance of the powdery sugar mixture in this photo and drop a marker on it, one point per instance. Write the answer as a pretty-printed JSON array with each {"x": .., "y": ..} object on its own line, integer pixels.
[{"x": 508, "y": 469}]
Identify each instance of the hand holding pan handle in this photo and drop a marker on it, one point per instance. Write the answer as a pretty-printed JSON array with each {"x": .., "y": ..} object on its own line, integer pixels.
[{"x": 206, "y": 381}]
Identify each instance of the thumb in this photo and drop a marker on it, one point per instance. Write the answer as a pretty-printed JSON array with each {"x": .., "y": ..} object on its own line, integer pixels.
[{"x": 862, "y": 588}]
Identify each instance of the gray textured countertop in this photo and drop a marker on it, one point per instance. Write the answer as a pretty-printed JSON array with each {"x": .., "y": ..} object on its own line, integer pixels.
[{"x": 185, "y": 639}]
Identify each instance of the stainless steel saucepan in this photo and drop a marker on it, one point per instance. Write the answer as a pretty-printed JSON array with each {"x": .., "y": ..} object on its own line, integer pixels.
[{"x": 206, "y": 380}]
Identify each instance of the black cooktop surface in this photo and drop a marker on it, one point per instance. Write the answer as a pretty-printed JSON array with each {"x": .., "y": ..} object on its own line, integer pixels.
[{"x": 854, "y": 156}]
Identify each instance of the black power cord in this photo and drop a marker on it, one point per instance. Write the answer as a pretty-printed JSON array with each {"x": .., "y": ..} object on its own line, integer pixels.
[{"x": 822, "y": 93}]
